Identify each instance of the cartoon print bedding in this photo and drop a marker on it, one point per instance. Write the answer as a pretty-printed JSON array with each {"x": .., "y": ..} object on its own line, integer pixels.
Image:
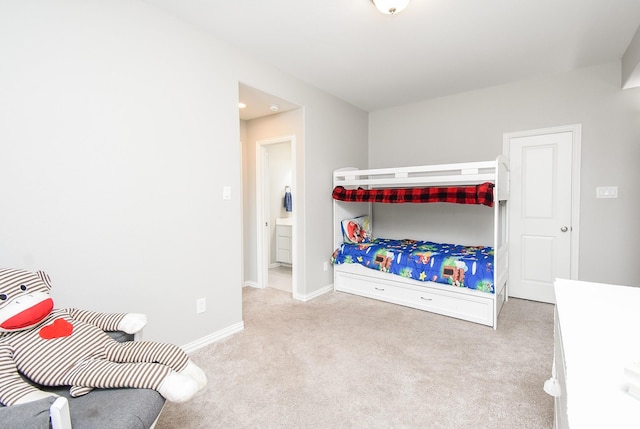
[{"x": 453, "y": 264}]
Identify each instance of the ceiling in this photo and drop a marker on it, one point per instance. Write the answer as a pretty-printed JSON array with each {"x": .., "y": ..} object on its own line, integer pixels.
[
  {"x": 259, "y": 104},
  {"x": 431, "y": 49}
]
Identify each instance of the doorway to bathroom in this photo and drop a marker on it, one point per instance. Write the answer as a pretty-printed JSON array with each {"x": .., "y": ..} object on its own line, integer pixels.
[
  {"x": 270, "y": 123},
  {"x": 276, "y": 227}
]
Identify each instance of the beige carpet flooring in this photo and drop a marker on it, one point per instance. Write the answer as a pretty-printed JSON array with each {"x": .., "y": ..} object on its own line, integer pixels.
[{"x": 342, "y": 361}]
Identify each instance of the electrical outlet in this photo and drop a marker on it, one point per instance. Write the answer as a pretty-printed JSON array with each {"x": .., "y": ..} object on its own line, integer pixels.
[
  {"x": 201, "y": 305},
  {"x": 325, "y": 266}
]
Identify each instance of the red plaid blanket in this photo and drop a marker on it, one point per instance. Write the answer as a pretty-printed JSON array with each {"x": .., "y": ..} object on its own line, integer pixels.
[{"x": 474, "y": 194}]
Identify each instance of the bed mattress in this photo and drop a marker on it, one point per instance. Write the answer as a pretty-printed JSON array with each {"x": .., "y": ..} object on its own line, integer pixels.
[{"x": 453, "y": 264}]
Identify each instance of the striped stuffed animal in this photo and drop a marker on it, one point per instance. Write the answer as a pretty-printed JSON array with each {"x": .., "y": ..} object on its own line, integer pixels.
[{"x": 69, "y": 347}]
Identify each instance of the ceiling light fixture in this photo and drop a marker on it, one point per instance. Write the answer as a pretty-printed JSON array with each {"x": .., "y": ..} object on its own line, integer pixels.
[
  {"x": 390, "y": 7},
  {"x": 274, "y": 107}
]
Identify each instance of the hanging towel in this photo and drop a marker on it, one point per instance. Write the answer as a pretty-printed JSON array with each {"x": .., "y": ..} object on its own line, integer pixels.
[{"x": 287, "y": 200}]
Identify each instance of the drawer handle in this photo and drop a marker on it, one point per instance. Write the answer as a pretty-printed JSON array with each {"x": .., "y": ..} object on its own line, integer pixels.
[
  {"x": 426, "y": 299},
  {"x": 379, "y": 288}
]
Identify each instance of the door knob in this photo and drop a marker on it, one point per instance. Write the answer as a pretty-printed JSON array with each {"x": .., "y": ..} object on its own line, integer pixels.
[{"x": 564, "y": 229}]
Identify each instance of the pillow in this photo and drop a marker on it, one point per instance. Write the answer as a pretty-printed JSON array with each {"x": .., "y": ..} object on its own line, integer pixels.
[{"x": 356, "y": 230}]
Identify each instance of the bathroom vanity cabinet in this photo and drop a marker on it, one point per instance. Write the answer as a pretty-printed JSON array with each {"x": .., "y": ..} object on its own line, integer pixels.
[{"x": 283, "y": 240}]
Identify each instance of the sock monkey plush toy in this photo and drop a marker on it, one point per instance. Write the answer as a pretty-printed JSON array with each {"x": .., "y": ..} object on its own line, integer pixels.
[{"x": 69, "y": 347}]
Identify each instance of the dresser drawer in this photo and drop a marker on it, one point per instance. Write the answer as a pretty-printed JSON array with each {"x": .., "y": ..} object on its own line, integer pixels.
[
  {"x": 283, "y": 230},
  {"x": 283, "y": 243}
]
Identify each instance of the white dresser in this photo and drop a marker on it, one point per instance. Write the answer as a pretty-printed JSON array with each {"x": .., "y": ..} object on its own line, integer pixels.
[{"x": 597, "y": 333}]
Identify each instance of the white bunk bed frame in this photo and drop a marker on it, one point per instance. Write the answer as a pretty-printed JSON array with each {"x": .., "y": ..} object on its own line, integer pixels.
[{"x": 458, "y": 302}]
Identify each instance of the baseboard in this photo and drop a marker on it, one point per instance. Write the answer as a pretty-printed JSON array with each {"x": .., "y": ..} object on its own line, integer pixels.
[
  {"x": 305, "y": 298},
  {"x": 250, "y": 284},
  {"x": 212, "y": 338}
]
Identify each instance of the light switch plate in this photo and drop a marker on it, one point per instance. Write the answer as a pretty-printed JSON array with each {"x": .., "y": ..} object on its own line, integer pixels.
[
  {"x": 607, "y": 192},
  {"x": 226, "y": 192},
  {"x": 201, "y": 305}
]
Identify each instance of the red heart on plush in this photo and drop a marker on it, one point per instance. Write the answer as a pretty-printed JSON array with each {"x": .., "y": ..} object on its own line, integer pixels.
[{"x": 58, "y": 329}]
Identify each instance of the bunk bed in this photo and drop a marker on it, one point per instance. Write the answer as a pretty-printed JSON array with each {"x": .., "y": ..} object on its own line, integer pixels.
[{"x": 366, "y": 265}]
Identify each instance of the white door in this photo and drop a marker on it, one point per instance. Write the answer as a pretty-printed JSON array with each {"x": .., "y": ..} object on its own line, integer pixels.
[{"x": 541, "y": 211}]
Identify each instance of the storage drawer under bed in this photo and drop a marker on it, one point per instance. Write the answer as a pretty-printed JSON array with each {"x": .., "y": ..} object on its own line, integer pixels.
[{"x": 455, "y": 303}]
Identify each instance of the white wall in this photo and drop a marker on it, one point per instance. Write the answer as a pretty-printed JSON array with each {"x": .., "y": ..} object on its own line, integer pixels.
[
  {"x": 470, "y": 127},
  {"x": 118, "y": 129},
  {"x": 329, "y": 146},
  {"x": 631, "y": 63}
]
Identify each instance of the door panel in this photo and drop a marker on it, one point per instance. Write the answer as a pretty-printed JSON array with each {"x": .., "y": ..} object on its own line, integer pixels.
[
  {"x": 537, "y": 258},
  {"x": 540, "y": 214}
]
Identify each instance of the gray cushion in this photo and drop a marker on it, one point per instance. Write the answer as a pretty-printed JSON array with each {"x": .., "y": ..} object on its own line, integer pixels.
[
  {"x": 120, "y": 336},
  {"x": 114, "y": 408},
  {"x": 34, "y": 415}
]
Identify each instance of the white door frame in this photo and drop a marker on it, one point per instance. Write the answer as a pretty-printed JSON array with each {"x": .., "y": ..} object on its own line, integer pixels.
[
  {"x": 576, "y": 131},
  {"x": 262, "y": 239}
]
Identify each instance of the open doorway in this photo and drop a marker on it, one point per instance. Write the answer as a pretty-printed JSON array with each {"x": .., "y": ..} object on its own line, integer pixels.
[
  {"x": 275, "y": 188},
  {"x": 271, "y": 130}
]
